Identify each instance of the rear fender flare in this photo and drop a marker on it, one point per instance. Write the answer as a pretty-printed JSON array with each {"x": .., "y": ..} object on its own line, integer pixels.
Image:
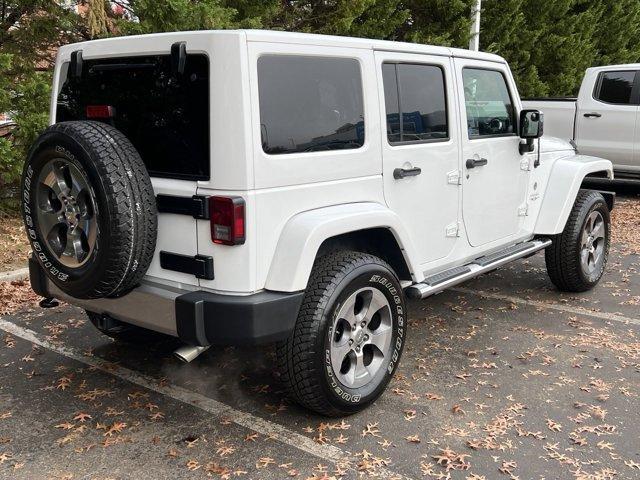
[{"x": 305, "y": 232}]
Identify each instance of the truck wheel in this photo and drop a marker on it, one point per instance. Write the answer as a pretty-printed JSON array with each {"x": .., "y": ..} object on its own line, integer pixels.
[
  {"x": 577, "y": 257},
  {"x": 348, "y": 337},
  {"x": 89, "y": 209}
]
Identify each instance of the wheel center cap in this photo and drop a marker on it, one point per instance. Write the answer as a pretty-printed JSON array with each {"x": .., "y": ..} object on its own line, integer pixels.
[
  {"x": 590, "y": 243},
  {"x": 70, "y": 213},
  {"x": 359, "y": 336}
]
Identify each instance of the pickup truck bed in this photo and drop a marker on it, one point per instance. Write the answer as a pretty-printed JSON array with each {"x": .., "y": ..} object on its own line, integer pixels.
[
  {"x": 559, "y": 114},
  {"x": 603, "y": 120}
]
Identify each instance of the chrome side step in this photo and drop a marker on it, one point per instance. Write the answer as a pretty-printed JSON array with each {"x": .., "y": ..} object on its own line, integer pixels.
[
  {"x": 443, "y": 280},
  {"x": 447, "y": 275}
]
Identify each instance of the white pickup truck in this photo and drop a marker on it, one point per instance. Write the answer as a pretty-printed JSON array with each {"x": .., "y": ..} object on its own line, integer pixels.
[{"x": 602, "y": 121}]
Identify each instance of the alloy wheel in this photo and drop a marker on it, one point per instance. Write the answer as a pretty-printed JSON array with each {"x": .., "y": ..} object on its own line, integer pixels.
[
  {"x": 593, "y": 242},
  {"x": 66, "y": 212},
  {"x": 361, "y": 337}
]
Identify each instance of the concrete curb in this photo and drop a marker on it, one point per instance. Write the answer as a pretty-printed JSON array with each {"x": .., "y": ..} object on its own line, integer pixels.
[{"x": 13, "y": 275}]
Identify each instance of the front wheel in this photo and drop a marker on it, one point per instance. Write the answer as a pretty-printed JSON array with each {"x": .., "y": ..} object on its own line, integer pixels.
[
  {"x": 577, "y": 257},
  {"x": 349, "y": 335}
]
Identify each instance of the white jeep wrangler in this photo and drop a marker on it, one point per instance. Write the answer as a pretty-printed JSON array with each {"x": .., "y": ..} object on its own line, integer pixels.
[{"x": 245, "y": 187}]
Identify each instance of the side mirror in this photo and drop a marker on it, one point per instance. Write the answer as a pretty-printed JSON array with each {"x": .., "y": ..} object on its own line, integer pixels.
[{"x": 531, "y": 126}]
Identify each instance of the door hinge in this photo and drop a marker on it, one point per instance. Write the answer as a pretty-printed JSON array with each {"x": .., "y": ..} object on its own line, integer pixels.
[
  {"x": 453, "y": 229},
  {"x": 196, "y": 206},
  {"x": 453, "y": 178},
  {"x": 523, "y": 210},
  {"x": 525, "y": 164}
]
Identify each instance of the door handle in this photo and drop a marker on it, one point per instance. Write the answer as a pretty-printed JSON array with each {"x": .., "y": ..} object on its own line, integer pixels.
[
  {"x": 473, "y": 163},
  {"x": 400, "y": 173},
  {"x": 593, "y": 114}
]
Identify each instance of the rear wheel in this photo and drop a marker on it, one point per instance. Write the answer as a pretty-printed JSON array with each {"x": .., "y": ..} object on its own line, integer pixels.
[
  {"x": 577, "y": 257},
  {"x": 349, "y": 335}
]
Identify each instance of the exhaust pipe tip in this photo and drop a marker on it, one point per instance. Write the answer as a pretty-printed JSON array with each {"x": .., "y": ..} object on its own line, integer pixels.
[{"x": 188, "y": 353}]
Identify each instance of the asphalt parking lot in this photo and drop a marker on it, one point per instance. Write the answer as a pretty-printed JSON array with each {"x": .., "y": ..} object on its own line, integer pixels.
[{"x": 503, "y": 377}]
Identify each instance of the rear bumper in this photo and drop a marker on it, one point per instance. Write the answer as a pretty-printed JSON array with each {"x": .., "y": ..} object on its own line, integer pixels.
[{"x": 196, "y": 317}]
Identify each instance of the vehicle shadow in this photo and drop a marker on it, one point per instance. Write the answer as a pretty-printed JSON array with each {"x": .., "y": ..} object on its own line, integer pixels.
[{"x": 242, "y": 377}]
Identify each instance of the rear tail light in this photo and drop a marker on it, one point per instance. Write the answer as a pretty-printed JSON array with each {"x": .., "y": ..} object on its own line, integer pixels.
[
  {"x": 100, "y": 111},
  {"x": 227, "y": 220}
]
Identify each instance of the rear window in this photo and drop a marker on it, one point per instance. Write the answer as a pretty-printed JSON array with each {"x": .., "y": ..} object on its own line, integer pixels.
[
  {"x": 166, "y": 117},
  {"x": 310, "y": 104},
  {"x": 616, "y": 87}
]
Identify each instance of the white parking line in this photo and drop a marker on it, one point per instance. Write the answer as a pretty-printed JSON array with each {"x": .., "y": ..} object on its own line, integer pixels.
[
  {"x": 246, "y": 420},
  {"x": 614, "y": 317},
  {"x": 13, "y": 275}
]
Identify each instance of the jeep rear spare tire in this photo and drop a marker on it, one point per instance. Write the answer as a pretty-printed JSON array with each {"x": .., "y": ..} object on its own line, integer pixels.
[{"x": 89, "y": 209}]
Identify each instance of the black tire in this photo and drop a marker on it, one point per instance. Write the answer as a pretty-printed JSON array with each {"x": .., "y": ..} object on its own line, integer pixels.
[
  {"x": 562, "y": 257},
  {"x": 120, "y": 331},
  {"x": 124, "y": 208},
  {"x": 303, "y": 359}
]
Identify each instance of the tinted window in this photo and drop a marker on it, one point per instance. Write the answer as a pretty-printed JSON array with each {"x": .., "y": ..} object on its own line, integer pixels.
[
  {"x": 166, "y": 117},
  {"x": 488, "y": 104},
  {"x": 391, "y": 102},
  {"x": 615, "y": 87},
  {"x": 310, "y": 104},
  {"x": 415, "y": 102}
]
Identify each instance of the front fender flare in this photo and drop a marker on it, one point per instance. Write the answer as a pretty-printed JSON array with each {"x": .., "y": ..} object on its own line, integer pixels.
[
  {"x": 565, "y": 180},
  {"x": 303, "y": 234}
]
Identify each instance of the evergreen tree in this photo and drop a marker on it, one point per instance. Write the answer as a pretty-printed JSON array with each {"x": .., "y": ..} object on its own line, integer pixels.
[
  {"x": 505, "y": 31},
  {"x": 383, "y": 19},
  {"x": 335, "y": 17},
  {"x": 30, "y": 32},
  {"x": 255, "y": 13},
  {"x": 548, "y": 43},
  {"x": 424, "y": 21},
  {"x": 97, "y": 21},
  {"x": 178, "y": 15},
  {"x": 437, "y": 22},
  {"x": 547, "y": 48},
  {"x": 617, "y": 34}
]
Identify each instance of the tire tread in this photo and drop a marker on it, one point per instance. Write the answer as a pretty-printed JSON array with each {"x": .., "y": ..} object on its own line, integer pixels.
[
  {"x": 296, "y": 357},
  {"x": 562, "y": 256},
  {"x": 131, "y": 205}
]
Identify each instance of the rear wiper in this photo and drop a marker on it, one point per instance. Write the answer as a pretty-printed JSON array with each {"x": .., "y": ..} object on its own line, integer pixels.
[{"x": 109, "y": 67}]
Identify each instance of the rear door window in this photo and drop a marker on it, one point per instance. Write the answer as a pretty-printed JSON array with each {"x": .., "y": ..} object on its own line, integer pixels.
[
  {"x": 415, "y": 102},
  {"x": 616, "y": 87},
  {"x": 310, "y": 103},
  {"x": 165, "y": 116}
]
